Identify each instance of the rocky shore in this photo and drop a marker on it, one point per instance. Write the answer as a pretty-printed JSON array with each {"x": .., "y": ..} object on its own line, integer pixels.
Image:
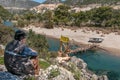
[{"x": 74, "y": 69}]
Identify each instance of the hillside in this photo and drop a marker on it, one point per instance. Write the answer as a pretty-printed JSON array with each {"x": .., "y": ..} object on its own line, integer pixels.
[
  {"x": 42, "y": 7},
  {"x": 52, "y": 1},
  {"x": 16, "y": 5},
  {"x": 84, "y": 2}
]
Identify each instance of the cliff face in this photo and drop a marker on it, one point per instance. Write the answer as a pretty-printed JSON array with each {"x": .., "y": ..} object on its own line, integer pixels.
[
  {"x": 84, "y": 2},
  {"x": 52, "y": 1},
  {"x": 18, "y": 3}
]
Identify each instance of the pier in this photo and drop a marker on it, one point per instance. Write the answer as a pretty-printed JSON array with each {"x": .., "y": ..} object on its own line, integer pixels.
[
  {"x": 65, "y": 42},
  {"x": 83, "y": 49}
]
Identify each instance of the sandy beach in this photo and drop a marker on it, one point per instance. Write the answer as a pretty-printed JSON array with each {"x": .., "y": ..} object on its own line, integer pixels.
[{"x": 110, "y": 43}]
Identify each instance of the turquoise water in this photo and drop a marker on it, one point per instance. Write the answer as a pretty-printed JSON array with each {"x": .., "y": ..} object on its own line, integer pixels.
[
  {"x": 10, "y": 24},
  {"x": 100, "y": 62}
]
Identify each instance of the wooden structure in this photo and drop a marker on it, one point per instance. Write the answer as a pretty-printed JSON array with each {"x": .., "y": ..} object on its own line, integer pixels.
[
  {"x": 83, "y": 49},
  {"x": 65, "y": 48}
]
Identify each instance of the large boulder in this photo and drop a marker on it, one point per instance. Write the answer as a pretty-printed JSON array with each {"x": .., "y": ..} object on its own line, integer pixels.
[
  {"x": 79, "y": 69},
  {"x": 55, "y": 72}
]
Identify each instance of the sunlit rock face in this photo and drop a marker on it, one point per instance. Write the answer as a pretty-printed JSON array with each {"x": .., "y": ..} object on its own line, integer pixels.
[
  {"x": 52, "y": 1},
  {"x": 18, "y": 5}
]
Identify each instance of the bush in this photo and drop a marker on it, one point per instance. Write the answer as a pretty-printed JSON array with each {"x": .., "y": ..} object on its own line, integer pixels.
[
  {"x": 4, "y": 14},
  {"x": 44, "y": 64},
  {"x": 1, "y": 60},
  {"x": 6, "y": 34},
  {"x": 53, "y": 73},
  {"x": 39, "y": 43},
  {"x": 30, "y": 78}
]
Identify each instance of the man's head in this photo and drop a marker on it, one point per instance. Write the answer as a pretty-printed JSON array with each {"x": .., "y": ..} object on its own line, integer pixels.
[{"x": 19, "y": 35}]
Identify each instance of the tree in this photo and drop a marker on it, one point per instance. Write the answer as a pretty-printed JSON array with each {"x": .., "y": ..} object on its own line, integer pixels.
[
  {"x": 4, "y": 14},
  {"x": 40, "y": 17},
  {"x": 30, "y": 16},
  {"x": 115, "y": 19},
  {"x": 16, "y": 17},
  {"x": 38, "y": 42},
  {"x": 48, "y": 19},
  {"x": 62, "y": 14},
  {"x": 6, "y": 34},
  {"x": 101, "y": 15},
  {"x": 79, "y": 18}
]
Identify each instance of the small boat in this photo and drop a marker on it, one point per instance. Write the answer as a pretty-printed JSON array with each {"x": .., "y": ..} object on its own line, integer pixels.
[{"x": 95, "y": 40}]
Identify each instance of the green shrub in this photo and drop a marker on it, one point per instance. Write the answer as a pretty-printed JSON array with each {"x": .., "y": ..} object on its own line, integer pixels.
[
  {"x": 6, "y": 34},
  {"x": 77, "y": 75},
  {"x": 39, "y": 43},
  {"x": 73, "y": 68},
  {"x": 44, "y": 64},
  {"x": 30, "y": 78},
  {"x": 53, "y": 73},
  {"x": 1, "y": 60},
  {"x": 4, "y": 14}
]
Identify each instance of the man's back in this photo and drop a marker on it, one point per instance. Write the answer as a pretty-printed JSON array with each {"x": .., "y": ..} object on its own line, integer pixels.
[{"x": 23, "y": 60}]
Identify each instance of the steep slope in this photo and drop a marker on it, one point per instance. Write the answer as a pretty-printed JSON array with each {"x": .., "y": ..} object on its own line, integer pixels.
[
  {"x": 18, "y": 3},
  {"x": 52, "y": 1},
  {"x": 83, "y": 2}
]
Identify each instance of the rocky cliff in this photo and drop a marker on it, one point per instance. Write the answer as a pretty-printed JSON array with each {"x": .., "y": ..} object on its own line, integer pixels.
[
  {"x": 16, "y": 5},
  {"x": 75, "y": 69}
]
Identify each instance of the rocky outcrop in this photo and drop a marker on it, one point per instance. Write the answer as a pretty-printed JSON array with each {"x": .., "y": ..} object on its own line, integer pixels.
[
  {"x": 52, "y": 1},
  {"x": 74, "y": 69},
  {"x": 55, "y": 72},
  {"x": 18, "y": 5},
  {"x": 43, "y": 7},
  {"x": 79, "y": 69}
]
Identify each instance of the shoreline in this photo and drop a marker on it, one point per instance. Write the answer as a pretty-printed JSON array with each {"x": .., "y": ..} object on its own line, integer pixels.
[
  {"x": 112, "y": 51},
  {"x": 108, "y": 44}
]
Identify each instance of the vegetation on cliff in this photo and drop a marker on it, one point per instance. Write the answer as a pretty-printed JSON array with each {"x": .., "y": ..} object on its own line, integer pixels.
[
  {"x": 4, "y": 14},
  {"x": 6, "y": 34},
  {"x": 86, "y": 2},
  {"x": 99, "y": 17},
  {"x": 83, "y": 2},
  {"x": 38, "y": 42},
  {"x": 63, "y": 15}
]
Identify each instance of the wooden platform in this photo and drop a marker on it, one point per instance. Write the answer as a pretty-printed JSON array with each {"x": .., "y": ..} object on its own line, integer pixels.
[{"x": 83, "y": 49}]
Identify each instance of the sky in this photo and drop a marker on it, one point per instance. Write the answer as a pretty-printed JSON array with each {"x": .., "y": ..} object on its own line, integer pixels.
[{"x": 40, "y": 1}]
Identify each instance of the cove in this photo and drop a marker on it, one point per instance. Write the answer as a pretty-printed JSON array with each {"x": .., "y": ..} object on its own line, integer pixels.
[
  {"x": 10, "y": 24},
  {"x": 99, "y": 61}
]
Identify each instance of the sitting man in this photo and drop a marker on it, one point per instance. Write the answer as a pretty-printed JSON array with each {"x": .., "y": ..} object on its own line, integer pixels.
[{"x": 19, "y": 58}]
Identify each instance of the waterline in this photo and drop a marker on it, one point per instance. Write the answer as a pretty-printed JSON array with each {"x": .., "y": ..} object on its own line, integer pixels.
[{"x": 100, "y": 62}]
